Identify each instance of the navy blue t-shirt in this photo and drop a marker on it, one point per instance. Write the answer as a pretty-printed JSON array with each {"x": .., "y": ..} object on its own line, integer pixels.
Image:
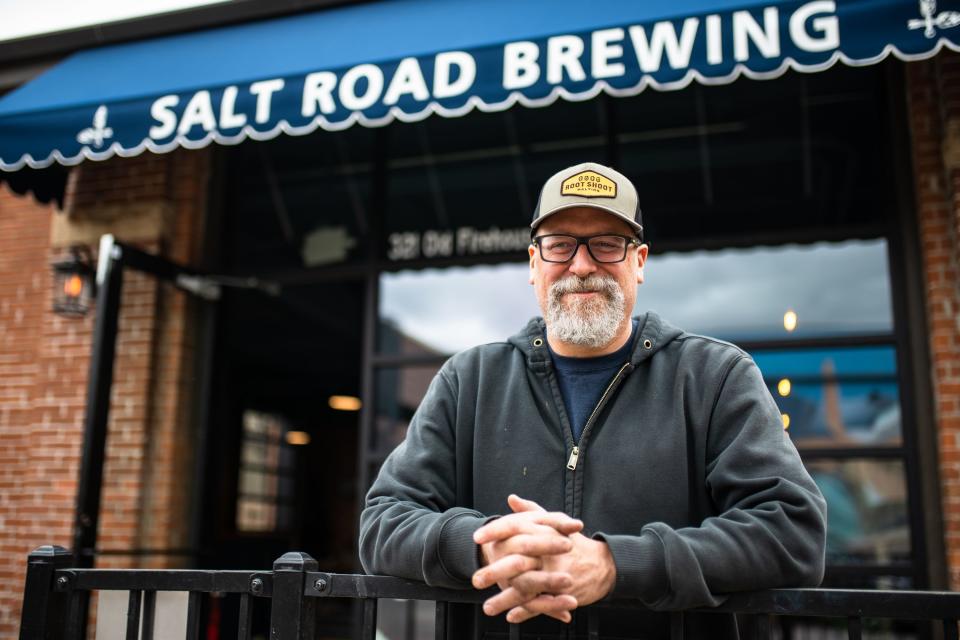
[{"x": 583, "y": 380}]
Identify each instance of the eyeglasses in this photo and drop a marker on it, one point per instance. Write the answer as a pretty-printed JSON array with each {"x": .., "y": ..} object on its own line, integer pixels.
[{"x": 606, "y": 248}]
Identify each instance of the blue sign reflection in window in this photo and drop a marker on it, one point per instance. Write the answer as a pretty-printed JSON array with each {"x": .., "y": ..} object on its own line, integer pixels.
[{"x": 836, "y": 397}]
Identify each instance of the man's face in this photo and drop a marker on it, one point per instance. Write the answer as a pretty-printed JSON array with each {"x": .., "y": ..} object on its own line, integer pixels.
[{"x": 586, "y": 302}]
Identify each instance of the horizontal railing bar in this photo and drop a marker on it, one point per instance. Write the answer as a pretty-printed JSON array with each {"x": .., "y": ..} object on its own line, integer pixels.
[
  {"x": 165, "y": 580},
  {"x": 349, "y": 585},
  {"x": 904, "y": 605},
  {"x": 900, "y": 605}
]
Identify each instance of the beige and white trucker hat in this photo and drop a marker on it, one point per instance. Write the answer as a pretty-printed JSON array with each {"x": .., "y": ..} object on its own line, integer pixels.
[{"x": 590, "y": 185}]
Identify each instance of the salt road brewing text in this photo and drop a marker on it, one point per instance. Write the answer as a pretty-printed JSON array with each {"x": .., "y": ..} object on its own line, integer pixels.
[{"x": 812, "y": 27}]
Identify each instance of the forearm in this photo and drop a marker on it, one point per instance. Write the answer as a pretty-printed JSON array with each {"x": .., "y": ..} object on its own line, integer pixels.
[
  {"x": 409, "y": 541},
  {"x": 411, "y": 526}
]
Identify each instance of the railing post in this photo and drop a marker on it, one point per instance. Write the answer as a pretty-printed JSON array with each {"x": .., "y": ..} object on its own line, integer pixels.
[
  {"x": 42, "y": 617},
  {"x": 292, "y": 616}
]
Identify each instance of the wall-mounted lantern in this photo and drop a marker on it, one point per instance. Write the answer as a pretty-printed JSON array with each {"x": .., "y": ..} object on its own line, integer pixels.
[{"x": 74, "y": 285}]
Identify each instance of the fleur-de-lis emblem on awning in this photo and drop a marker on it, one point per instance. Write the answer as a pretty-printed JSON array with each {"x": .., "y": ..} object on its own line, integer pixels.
[
  {"x": 99, "y": 132},
  {"x": 931, "y": 20}
]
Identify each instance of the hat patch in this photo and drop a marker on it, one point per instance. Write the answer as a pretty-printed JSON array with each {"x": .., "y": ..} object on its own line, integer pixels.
[{"x": 589, "y": 184}]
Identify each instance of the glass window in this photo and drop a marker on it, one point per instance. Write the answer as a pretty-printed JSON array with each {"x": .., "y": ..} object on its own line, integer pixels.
[
  {"x": 466, "y": 187},
  {"x": 866, "y": 510},
  {"x": 798, "y": 152},
  {"x": 265, "y": 482},
  {"x": 448, "y": 310},
  {"x": 832, "y": 289},
  {"x": 843, "y": 397},
  {"x": 298, "y": 202},
  {"x": 399, "y": 391}
]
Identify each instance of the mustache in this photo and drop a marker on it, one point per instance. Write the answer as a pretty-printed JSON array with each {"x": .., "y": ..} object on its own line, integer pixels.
[{"x": 606, "y": 285}]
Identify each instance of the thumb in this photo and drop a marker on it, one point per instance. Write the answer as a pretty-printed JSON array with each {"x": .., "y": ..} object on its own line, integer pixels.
[{"x": 519, "y": 504}]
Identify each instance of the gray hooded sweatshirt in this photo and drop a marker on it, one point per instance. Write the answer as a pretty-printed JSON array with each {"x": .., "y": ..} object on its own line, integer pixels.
[{"x": 683, "y": 469}]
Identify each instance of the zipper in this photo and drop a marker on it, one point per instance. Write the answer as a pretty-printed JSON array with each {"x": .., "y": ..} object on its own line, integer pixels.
[
  {"x": 575, "y": 452},
  {"x": 574, "y": 455}
]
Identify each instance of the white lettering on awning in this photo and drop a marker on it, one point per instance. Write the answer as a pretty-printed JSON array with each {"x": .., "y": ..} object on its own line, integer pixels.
[
  {"x": 812, "y": 27},
  {"x": 199, "y": 111},
  {"x": 318, "y": 90},
  {"x": 826, "y": 25},
  {"x": 162, "y": 111},
  {"x": 408, "y": 79},
  {"x": 664, "y": 39},
  {"x": 264, "y": 91},
  {"x": 603, "y": 50},
  {"x": 229, "y": 118},
  {"x": 765, "y": 38},
  {"x": 563, "y": 54},
  {"x": 443, "y": 86},
  {"x": 348, "y": 87},
  {"x": 520, "y": 68}
]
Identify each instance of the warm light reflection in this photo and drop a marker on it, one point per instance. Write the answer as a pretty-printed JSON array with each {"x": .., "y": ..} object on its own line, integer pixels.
[
  {"x": 784, "y": 387},
  {"x": 297, "y": 438},
  {"x": 73, "y": 286},
  {"x": 345, "y": 403},
  {"x": 786, "y": 420},
  {"x": 790, "y": 320}
]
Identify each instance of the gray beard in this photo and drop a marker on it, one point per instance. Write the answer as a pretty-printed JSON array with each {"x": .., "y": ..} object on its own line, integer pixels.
[{"x": 589, "y": 323}]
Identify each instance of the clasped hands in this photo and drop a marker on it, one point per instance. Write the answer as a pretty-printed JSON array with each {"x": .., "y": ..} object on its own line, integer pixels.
[{"x": 542, "y": 564}]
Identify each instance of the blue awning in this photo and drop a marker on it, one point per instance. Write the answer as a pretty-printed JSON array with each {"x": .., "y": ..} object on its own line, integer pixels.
[{"x": 372, "y": 63}]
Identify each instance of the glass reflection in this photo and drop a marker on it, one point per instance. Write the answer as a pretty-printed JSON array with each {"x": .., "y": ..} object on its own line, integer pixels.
[
  {"x": 399, "y": 392},
  {"x": 835, "y": 289},
  {"x": 825, "y": 289},
  {"x": 867, "y": 510},
  {"x": 836, "y": 397},
  {"x": 448, "y": 310}
]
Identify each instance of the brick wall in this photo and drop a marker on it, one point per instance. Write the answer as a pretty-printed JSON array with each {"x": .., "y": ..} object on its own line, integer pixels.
[
  {"x": 157, "y": 203},
  {"x": 934, "y": 112},
  {"x": 39, "y": 444}
]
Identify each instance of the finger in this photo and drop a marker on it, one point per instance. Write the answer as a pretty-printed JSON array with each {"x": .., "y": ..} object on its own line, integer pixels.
[
  {"x": 513, "y": 524},
  {"x": 522, "y": 526},
  {"x": 509, "y": 598},
  {"x": 519, "y": 504},
  {"x": 525, "y": 587},
  {"x": 558, "y": 607},
  {"x": 555, "y": 582},
  {"x": 504, "y": 569},
  {"x": 537, "y": 544}
]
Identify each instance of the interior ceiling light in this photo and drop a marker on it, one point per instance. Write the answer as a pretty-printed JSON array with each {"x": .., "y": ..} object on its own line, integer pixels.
[
  {"x": 790, "y": 320},
  {"x": 784, "y": 387},
  {"x": 345, "y": 403},
  {"x": 297, "y": 438}
]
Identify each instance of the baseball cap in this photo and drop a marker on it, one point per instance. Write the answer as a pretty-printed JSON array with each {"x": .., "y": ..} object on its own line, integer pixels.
[{"x": 589, "y": 185}]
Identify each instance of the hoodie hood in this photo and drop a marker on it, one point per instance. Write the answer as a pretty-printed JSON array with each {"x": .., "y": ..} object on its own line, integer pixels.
[{"x": 653, "y": 333}]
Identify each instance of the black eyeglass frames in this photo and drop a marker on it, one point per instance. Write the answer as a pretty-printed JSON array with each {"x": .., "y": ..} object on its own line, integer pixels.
[{"x": 604, "y": 248}]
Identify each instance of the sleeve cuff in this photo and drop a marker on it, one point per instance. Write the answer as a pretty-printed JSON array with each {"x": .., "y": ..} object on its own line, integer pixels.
[
  {"x": 641, "y": 567},
  {"x": 457, "y": 550}
]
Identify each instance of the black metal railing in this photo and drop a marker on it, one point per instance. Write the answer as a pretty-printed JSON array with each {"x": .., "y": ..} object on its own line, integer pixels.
[{"x": 54, "y": 603}]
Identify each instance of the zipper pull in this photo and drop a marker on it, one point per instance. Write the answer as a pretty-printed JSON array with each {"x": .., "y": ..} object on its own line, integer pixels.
[{"x": 572, "y": 462}]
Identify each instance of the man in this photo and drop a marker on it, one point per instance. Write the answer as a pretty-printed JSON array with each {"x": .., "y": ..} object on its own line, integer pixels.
[{"x": 593, "y": 455}]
